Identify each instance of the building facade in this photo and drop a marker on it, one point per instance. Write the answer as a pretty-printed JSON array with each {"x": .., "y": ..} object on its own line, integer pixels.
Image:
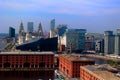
[
  {"x": 109, "y": 42},
  {"x": 70, "y": 64},
  {"x": 94, "y": 72},
  {"x": 76, "y": 37},
  {"x": 117, "y": 42},
  {"x": 11, "y": 32},
  {"x": 29, "y": 60},
  {"x": 52, "y": 27},
  {"x": 30, "y": 27},
  {"x": 89, "y": 42},
  {"x": 99, "y": 46}
]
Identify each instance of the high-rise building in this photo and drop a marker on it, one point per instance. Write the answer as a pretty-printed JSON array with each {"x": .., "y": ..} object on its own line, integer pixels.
[
  {"x": 61, "y": 29},
  {"x": 76, "y": 37},
  {"x": 52, "y": 26},
  {"x": 109, "y": 40},
  {"x": 30, "y": 27},
  {"x": 99, "y": 46},
  {"x": 11, "y": 32},
  {"x": 89, "y": 42},
  {"x": 117, "y": 42}
]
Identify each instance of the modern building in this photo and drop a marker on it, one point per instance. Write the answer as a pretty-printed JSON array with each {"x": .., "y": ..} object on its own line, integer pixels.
[
  {"x": 117, "y": 42},
  {"x": 89, "y": 42},
  {"x": 99, "y": 46},
  {"x": 52, "y": 27},
  {"x": 40, "y": 44},
  {"x": 27, "y": 60},
  {"x": 109, "y": 42},
  {"x": 30, "y": 27},
  {"x": 61, "y": 29},
  {"x": 70, "y": 64},
  {"x": 11, "y": 32},
  {"x": 97, "y": 72},
  {"x": 76, "y": 37}
]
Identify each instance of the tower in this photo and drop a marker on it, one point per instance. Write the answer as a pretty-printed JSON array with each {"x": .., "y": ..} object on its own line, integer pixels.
[
  {"x": 109, "y": 39},
  {"x": 21, "y": 37},
  {"x": 52, "y": 26},
  {"x": 40, "y": 31},
  {"x": 30, "y": 27},
  {"x": 117, "y": 42},
  {"x": 11, "y": 32}
]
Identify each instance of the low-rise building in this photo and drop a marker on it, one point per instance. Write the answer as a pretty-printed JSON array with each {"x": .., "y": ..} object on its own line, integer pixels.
[
  {"x": 95, "y": 72},
  {"x": 29, "y": 60},
  {"x": 70, "y": 64}
]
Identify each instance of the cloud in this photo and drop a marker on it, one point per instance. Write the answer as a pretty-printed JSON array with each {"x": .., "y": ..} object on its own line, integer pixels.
[{"x": 77, "y": 7}]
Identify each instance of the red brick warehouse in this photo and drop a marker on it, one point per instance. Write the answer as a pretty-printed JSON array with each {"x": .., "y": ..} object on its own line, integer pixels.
[
  {"x": 27, "y": 60},
  {"x": 70, "y": 64}
]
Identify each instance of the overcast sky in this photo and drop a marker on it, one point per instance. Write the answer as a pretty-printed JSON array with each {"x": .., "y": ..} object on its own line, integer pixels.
[{"x": 93, "y": 15}]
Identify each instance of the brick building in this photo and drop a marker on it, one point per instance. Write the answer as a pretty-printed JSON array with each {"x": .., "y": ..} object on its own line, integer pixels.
[
  {"x": 94, "y": 72},
  {"x": 29, "y": 60},
  {"x": 70, "y": 64}
]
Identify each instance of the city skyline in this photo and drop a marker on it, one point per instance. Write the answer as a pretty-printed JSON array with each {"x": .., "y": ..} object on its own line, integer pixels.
[{"x": 93, "y": 15}]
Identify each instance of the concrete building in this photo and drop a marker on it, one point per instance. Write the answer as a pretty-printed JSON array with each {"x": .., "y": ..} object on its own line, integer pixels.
[
  {"x": 28, "y": 36},
  {"x": 117, "y": 42},
  {"x": 109, "y": 42},
  {"x": 70, "y": 64},
  {"x": 52, "y": 27},
  {"x": 95, "y": 72},
  {"x": 99, "y": 46},
  {"x": 76, "y": 37},
  {"x": 11, "y": 32},
  {"x": 30, "y": 27},
  {"x": 89, "y": 42}
]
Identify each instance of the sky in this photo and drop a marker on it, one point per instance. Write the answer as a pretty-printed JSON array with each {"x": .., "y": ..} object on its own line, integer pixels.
[{"x": 93, "y": 15}]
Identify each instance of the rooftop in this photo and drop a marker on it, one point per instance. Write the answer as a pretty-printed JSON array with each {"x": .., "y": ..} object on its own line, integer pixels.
[
  {"x": 75, "y": 57},
  {"x": 101, "y": 72},
  {"x": 25, "y": 52}
]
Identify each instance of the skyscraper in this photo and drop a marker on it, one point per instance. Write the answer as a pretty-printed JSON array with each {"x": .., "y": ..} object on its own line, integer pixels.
[
  {"x": 109, "y": 44},
  {"x": 61, "y": 29},
  {"x": 30, "y": 27},
  {"x": 11, "y": 32},
  {"x": 117, "y": 42},
  {"x": 52, "y": 26}
]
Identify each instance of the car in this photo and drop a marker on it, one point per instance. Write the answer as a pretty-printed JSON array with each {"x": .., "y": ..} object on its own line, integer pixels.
[{"x": 118, "y": 74}]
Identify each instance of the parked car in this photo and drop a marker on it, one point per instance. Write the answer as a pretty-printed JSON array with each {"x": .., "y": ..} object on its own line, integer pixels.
[{"x": 118, "y": 74}]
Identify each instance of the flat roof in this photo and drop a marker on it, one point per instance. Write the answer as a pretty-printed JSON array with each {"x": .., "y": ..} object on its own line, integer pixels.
[
  {"x": 25, "y": 53},
  {"x": 101, "y": 72},
  {"x": 75, "y": 57}
]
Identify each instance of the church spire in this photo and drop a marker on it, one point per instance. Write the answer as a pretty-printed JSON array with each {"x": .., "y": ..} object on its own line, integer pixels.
[{"x": 40, "y": 31}]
